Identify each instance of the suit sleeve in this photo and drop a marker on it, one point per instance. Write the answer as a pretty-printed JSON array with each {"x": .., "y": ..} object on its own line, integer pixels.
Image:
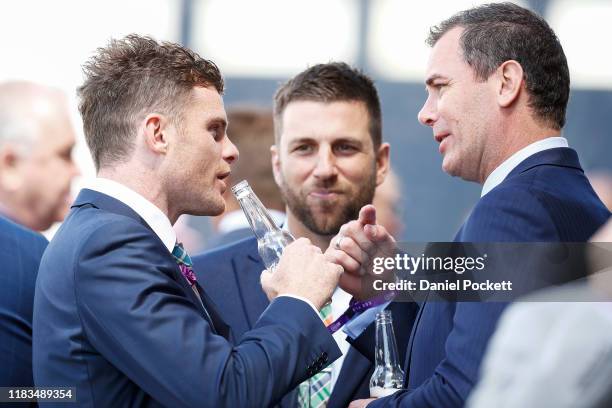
[
  {"x": 505, "y": 215},
  {"x": 139, "y": 319}
]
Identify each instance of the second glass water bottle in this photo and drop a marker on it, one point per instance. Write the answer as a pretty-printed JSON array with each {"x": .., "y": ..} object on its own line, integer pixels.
[{"x": 388, "y": 377}]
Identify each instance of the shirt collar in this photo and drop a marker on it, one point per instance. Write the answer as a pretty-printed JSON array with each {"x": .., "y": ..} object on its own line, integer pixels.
[
  {"x": 153, "y": 216},
  {"x": 501, "y": 172}
]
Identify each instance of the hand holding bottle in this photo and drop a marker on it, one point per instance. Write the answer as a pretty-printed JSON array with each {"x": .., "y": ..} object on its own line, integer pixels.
[
  {"x": 295, "y": 268},
  {"x": 302, "y": 271}
]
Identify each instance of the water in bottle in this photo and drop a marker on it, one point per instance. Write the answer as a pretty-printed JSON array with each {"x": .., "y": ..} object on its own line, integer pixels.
[
  {"x": 271, "y": 240},
  {"x": 388, "y": 377}
]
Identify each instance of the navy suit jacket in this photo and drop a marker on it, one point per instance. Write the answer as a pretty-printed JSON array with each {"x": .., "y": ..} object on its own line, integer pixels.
[
  {"x": 20, "y": 253},
  {"x": 114, "y": 318},
  {"x": 228, "y": 238},
  {"x": 231, "y": 275},
  {"x": 546, "y": 198}
]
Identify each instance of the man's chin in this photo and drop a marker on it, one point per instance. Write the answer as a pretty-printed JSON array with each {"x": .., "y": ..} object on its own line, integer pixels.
[
  {"x": 218, "y": 209},
  {"x": 211, "y": 209},
  {"x": 449, "y": 168},
  {"x": 329, "y": 226}
]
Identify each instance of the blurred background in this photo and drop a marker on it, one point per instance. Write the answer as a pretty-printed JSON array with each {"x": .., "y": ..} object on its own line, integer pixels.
[{"x": 259, "y": 44}]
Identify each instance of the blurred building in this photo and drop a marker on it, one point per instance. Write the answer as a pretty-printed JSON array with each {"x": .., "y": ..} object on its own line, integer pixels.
[{"x": 259, "y": 44}]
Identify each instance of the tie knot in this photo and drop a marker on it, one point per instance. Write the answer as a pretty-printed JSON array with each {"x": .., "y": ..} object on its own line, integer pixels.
[{"x": 181, "y": 256}]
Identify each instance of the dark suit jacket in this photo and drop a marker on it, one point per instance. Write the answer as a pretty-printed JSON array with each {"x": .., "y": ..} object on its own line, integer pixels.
[
  {"x": 20, "y": 253},
  {"x": 114, "y": 318},
  {"x": 546, "y": 198},
  {"x": 231, "y": 275},
  {"x": 228, "y": 238}
]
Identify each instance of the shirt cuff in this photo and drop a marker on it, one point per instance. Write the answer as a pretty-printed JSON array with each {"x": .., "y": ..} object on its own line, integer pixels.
[
  {"x": 304, "y": 300},
  {"x": 357, "y": 325}
]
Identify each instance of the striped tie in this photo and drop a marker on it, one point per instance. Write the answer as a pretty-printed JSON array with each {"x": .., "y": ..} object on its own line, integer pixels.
[
  {"x": 315, "y": 392},
  {"x": 184, "y": 262},
  {"x": 186, "y": 266}
]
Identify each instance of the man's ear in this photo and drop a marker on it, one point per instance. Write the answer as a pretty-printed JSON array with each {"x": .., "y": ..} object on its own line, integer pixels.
[
  {"x": 382, "y": 163},
  {"x": 510, "y": 75},
  {"x": 10, "y": 175},
  {"x": 155, "y": 132},
  {"x": 275, "y": 157}
]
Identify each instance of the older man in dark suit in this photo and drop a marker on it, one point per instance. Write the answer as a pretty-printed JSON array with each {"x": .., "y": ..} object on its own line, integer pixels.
[
  {"x": 20, "y": 253},
  {"x": 498, "y": 86}
]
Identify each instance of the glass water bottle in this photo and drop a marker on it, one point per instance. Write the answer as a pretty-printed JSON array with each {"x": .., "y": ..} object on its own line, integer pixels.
[
  {"x": 388, "y": 377},
  {"x": 271, "y": 240}
]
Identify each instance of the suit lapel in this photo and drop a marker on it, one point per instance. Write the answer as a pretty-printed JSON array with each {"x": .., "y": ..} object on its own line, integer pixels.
[
  {"x": 354, "y": 371},
  {"x": 200, "y": 304},
  {"x": 110, "y": 204},
  {"x": 218, "y": 323},
  {"x": 411, "y": 341},
  {"x": 247, "y": 268}
]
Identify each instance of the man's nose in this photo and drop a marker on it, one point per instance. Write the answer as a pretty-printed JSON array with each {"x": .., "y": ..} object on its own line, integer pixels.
[
  {"x": 427, "y": 115},
  {"x": 230, "y": 151},
  {"x": 326, "y": 164}
]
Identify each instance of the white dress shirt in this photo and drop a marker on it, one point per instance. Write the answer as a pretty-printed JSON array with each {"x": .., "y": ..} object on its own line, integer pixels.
[
  {"x": 501, "y": 172},
  {"x": 153, "y": 216}
]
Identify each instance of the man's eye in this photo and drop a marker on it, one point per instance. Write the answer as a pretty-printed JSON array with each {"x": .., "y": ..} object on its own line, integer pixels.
[
  {"x": 303, "y": 149},
  {"x": 345, "y": 148},
  {"x": 215, "y": 132}
]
